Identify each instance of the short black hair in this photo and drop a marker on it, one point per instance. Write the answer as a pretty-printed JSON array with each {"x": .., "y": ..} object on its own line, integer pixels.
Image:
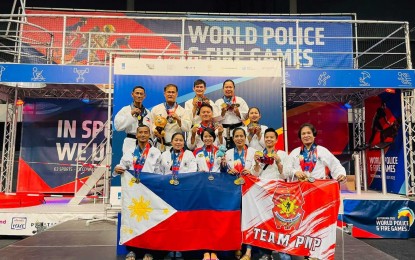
[
  {"x": 313, "y": 129},
  {"x": 210, "y": 131},
  {"x": 174, "y": 135},
  {"x": 228, "y": 80},
  {"x": 142, "y": 125},
  {"x": 199, "y": 81},
  {"x": 272, "y": 130},
  {"x": 249, "y": 110},
  {"x": 236, "y": 129},
  {"x": 140, "y": 87},
  {"x": 171, "y": 85}
]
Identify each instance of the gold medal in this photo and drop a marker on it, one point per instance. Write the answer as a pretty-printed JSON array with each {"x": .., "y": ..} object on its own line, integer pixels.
[
  {"x": 171, "y": 182},
  {"x": 239, "y": 181},
  {"x": 139, "y": 117},
  {"x": 259, "y": 153}
]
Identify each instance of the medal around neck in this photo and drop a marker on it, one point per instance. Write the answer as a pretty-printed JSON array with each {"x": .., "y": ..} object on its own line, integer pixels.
[
  {"x": 311, "y": 179},
  {"x": 211, "y": 178}
]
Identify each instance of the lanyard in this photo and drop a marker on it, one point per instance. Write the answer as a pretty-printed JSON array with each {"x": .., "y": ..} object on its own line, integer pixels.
[
  {"x": 308, "y": 158},
  {"x": 139, "y": 158},
  {"x": 229, "y": 101},
  {"x": 176, "y": 160},
  {"x": 169, "y": 109},
  {"x": 142, "y": 114},
  {"x": 239, "y": 159},
  {"x": 209, "y": 156}
]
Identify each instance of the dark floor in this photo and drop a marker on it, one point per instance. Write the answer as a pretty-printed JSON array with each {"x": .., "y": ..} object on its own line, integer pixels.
[{"x": 75, "y": 240}]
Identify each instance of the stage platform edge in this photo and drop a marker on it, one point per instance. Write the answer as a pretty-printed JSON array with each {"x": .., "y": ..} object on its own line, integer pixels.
[{"x": 28, "y": 221}]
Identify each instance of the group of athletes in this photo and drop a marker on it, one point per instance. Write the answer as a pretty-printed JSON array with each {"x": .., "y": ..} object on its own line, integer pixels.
[{"x": 224, "y": 136}]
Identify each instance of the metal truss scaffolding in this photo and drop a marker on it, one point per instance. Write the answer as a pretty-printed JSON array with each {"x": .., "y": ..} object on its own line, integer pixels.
[
  {"x": 408, "y": 128},
  {"x": 9, "y": 140}
]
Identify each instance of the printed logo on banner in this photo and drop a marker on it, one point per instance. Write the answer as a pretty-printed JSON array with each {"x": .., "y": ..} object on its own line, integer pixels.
[
  {"x": 322, "y": 79},
  {"x": 405, "y": 79},
  {"x": 37, "y": 75},
  {"x": 1, "y": 71},
  {"x": 287, "y": 208},
  {"x": 406, "y": 212},
  {"x": 80, "y": 73},
  {"x": 19, "y": 223},
  {"x": 363, "y": 78}
]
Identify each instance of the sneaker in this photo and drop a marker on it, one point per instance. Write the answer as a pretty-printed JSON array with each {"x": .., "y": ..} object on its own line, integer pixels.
[
  {"x": 148, "y": 257},
  {"x": 265, "y": 257},
  {"x": 130, "y": 256}
]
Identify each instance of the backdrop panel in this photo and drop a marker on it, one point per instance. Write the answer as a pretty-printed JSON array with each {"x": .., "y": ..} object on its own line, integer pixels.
[
  {"x": 54, "y": 133},
  {"x": 257, "y": 82},
  {"x": 383, "y": 124}
]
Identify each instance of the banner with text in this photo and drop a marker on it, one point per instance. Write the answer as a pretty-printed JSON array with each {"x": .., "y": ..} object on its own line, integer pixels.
[
  {"x": 298, "y": 218},
  {"x": 310, "y": 41},
  {"x": 54, "y": 134},
  {"x": 384, "y": 128},
  {"x": 380, "y": 218}
]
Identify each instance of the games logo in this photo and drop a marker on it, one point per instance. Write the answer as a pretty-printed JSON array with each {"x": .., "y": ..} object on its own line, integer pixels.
[{"x": 18, "y": 223}]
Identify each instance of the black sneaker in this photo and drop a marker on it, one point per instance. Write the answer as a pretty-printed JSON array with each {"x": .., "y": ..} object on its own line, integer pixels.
[{"x": 130, "y": 256}]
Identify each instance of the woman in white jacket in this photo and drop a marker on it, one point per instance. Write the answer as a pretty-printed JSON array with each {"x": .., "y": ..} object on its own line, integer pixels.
[
  {"x": 310, "y": 160},
  {"x": 177, "y": 160},
  {"x": 238, "y": 160}
]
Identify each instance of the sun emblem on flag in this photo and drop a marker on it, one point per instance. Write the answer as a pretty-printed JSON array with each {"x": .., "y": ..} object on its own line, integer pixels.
[{"x": 140, "y": 209}]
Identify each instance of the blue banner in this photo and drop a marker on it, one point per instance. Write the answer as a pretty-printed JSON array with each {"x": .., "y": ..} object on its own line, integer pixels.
[
  {"x": 384, "y": 126},
  {"x": 295, "y": 78},
  {"x": 320, "y": 44},
  {"x": 380, "y": 218},
  {"x": 66, "y": 74},
  {"x": 311, "y": 78},
  {"x": 55, "y": 131}
]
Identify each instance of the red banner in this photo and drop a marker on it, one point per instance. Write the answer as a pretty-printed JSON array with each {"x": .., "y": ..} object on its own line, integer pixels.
[{"x": 298, "y": 218}]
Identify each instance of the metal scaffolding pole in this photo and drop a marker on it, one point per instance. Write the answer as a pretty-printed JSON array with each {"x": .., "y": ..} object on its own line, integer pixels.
[{"x": 9, "y": 140}]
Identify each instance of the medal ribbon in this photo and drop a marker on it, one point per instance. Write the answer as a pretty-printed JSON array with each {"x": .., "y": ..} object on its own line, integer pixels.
[
  {"x": 139, "y": 159},
  {"x": 239, "y": 159},
  {"x": 143, "y": 112},
  {"x": 209, "y": 153},
  {"x": 176, "y": 160},
  {"x": 169, "y": 110},
  {"x": 309, "y": 158},
  {"x": 229, "y": 101}
]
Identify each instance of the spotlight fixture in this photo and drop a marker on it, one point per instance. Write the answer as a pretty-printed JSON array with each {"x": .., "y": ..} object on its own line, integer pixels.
[
  {"x": 85, "y": 99},
  {"x": 347, "y": 105},
  {"x": 390, "y": 90},
  {"x": 19, "y": 102}
]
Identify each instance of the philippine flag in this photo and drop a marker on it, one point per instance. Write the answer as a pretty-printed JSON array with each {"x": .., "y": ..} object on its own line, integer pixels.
[
  {"x": 198, "y": 213},
  {"x": 297, "y": 218}
]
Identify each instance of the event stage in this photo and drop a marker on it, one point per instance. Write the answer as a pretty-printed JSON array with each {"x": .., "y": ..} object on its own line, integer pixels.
[
  {"x": 75, "y": 240},
  {"x": 27, "y": 221}
]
